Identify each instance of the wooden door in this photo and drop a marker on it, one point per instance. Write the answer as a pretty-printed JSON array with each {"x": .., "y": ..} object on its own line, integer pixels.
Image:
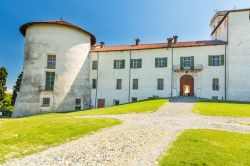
[
  {"x": 187, "y": 81},
  {"x": 101, "y": 103}
]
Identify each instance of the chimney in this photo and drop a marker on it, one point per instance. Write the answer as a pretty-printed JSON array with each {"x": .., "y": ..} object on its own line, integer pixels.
[
  {"x": 137, "y": 41},
  {"x": 175, "y": 39},
  {"x": 102, "y": 44},
  {"x": 170, "y": 40}
]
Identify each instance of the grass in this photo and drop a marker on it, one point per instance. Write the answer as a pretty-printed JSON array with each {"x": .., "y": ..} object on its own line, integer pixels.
[
  {"x": 24, "y": 136},
  {"x": 137, "y": 107},
  {"x": 209, "y": 148},
  {"x": 222, "y": 108},
  {"x": 20, "y": 137}
]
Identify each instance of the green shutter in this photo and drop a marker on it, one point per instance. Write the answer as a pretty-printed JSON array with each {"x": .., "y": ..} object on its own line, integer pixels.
[
  {"x": 140, "y": 63},
  {"x": 114, "y": 64},
  {"x": 123, "y": 64},
  {"x": 156, "y": 62},
  {"x": 210, "y": 59},
  {"x": 192, "y": 62},
  {"x": 222, "y": 60},
  {"x": 182, "y": 62},
  {"x": 166, "y": 62},
  {"x": 131, "y": 63}
]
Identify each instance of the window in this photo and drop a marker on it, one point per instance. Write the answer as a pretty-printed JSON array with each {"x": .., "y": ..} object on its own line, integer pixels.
[
  {"x": 50, "y": 78},
  {"x": 216, "y": 60},
  {"x": 161, "y": 62},
  {"x": 51, "y": 62},
  {"x": 186, "y": 62},
  {"x": 46, "y": 102},
  {"x": 216, "y": 85},
  {"x": 119, "y": 84},
  {"x": 116, "y": 102},
  {"x": 136, "y": 63},
  {"x": 135, "y": 84},
  {"x": 78, "y": 104},
  {"x": 119, "y": 64},
  {"x": 134, "y": 99},
  {"x": 93, "y": 83},
  {"x": 94, "y": 65},
  {"x": 160, "y": 84}
]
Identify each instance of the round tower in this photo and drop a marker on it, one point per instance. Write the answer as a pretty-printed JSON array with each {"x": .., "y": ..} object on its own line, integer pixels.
[{"x": 56, "y": 68}]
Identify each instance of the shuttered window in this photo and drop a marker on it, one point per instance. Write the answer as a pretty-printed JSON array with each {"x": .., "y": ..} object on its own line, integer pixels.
[
  {"x": 187, "y": 63},
  {"x": 161, "y": 62},
  {"x": 119, "y": 64},
  {"x": 136, "y": 63},
  {"x": 50, "y": 78},
  {"x": 216, "y": 60}
]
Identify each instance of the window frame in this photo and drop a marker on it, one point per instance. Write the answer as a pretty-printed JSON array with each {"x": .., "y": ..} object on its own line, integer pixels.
[
  {"x": 136, "y": 63},
  {"x": 216, "y": 84},
  {"x": 94, "y": 83},
  {"x": 135, "y": 84},
  {"x": 46, "y": 102},
  {"x": 119, "y": 64},
  {"x": 216, "y": 60},
  {"x": 49, "y": 80},
  {"x": 118, "y": 84},
  {"x": 78, "y": 104},
  {"x": 51, "y": 61},
  {"x": 160, "y": 84},
  {"x": 94, "y": 65},
  {"x": 161, "y": 62},
  {"x": 134, "y": 99},
  {"x": 187, "y": 61}
]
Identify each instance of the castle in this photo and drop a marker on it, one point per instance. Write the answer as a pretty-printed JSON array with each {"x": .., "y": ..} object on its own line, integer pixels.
[{"x": 65, "y": 70}]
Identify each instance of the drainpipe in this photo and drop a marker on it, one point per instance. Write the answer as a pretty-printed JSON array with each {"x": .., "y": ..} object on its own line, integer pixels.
[
  {"x": 97, "y": 80},
  {"x": 172, "y": 72},
  {"x": 129, "y": 77}
]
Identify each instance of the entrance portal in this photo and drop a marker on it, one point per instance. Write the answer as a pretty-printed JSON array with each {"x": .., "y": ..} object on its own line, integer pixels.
[{"x": 187, "y": 85}]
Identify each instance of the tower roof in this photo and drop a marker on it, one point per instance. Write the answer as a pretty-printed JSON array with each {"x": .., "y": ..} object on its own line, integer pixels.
[{"x": 24, "y": 27}]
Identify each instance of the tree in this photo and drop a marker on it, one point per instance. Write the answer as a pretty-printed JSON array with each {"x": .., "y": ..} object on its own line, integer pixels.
[
  {"x": 16, "y": 89},
  {"x": 3, "y": 78}
]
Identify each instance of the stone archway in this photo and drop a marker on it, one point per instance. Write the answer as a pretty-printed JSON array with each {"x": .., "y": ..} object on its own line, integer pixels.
[{"x": 187, "y": 85}]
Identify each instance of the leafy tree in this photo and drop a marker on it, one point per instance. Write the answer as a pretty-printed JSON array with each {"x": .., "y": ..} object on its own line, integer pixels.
[
  {"x": 16, "y": 88},
  {"x": 3, "y": 78}
]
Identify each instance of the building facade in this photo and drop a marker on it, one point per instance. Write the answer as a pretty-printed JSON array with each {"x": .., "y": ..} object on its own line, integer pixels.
[{"x": 65, "y": 70}]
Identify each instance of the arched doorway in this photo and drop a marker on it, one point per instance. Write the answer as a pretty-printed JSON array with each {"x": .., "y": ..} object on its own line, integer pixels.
[{"x": 187, "y": 85}]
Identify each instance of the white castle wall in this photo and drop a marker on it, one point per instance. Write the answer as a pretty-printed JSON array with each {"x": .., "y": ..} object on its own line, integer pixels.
[
  {"x": 71, "y": 48},
  {"x": 148, "y": 74},
  {"x": 238, "y": 51}
]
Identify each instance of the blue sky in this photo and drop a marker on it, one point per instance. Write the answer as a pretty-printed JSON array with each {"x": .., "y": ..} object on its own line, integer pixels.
[{"x": 116, "y": 22}]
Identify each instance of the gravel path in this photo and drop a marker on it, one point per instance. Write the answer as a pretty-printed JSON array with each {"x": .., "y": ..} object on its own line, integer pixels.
[{"x": 140, "y": 140}]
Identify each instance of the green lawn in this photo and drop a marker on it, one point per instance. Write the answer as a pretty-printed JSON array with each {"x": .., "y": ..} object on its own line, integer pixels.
[
  {"x": 222, "y": 108},
  {"x": 137, "y": 107},
  {"x": 20, "y": 137},
  {"x": 209, "y": 148}
]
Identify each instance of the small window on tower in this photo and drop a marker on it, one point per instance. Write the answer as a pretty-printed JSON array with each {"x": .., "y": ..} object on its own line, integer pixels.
[
  {"x": 78, "y": 104},
  {"x": 46, "y": 102}
]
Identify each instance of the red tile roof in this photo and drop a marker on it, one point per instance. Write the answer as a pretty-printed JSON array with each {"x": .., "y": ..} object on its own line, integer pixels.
[
  {"x": 159, "y": 45},
  {"x": 58, "y": 22}
]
